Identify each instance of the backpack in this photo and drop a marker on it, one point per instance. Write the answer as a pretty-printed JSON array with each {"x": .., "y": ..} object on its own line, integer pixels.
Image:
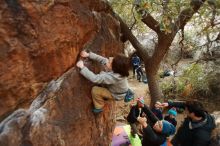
[{"x": 129, "y": 96}]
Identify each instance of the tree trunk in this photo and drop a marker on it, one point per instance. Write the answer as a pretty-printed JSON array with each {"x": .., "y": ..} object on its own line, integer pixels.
[
  {"x": 152, "y": 65},
  {"x": 153, "y": 86}
]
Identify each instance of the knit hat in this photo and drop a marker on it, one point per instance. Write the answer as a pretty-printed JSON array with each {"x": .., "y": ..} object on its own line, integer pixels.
[
  {"x": 168, "y": 128},
  {"x": 140, "y": 99},
  {"x": 172, "y": 111}
]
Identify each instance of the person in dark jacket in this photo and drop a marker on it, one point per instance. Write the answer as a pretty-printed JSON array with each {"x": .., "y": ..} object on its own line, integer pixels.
[
  {"x": 136, "y": 64},
  {"x": 136, "y": 112},
  {"x": 197, "y": 126},
  {"x": 155, "y": 131},
  {"x": 157, "y": 110},
  {"x": 171, "y": 117}
]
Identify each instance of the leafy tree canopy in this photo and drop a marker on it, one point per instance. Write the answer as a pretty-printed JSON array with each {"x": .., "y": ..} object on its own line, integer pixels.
[{"x": 166, "y": 12}]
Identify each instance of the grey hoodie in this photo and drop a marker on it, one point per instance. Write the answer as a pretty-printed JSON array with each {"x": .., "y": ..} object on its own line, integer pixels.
[{"x": 114, "y": 82}]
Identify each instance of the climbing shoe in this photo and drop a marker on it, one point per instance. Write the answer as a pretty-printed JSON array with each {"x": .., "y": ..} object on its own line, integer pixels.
[{"x": 96, "y": 111}]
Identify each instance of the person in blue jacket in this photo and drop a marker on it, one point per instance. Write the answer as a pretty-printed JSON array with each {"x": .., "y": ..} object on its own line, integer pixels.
[{"x": 136, "y": 64}]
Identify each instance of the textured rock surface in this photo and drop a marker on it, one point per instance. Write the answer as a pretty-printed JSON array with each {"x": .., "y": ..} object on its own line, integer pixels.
[
  {"x": 61, "y": 116},
  {"x": 39, "y": 42}
]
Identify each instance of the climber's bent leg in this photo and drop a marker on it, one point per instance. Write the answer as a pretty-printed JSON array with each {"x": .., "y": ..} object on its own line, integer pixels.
[{"x": 99, "y": 94}]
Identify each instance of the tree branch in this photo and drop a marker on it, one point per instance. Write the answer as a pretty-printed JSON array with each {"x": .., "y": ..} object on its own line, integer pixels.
[
  {"x": 151, "y": 23},
  {"x": 135, "y": 20},
  {"x": 181, "y": 50},
  {"x": 133, "y": 40},
  {"x": 165, "y": 6},
  {"x": 187, "y": 14}
]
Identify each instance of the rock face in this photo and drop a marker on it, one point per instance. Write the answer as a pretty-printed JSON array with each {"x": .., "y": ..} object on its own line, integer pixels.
[
  {"x": 39, "y": 42},
  {"x": 60, "y": 115}
]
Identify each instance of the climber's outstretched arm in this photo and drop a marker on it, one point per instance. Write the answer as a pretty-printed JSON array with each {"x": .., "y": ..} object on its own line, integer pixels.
[
  {"x": 152, "y": 118},
  {"x": 94, "y": 56}
]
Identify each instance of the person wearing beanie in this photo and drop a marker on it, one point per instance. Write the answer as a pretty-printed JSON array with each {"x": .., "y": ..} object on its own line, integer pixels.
[
  {"x": 168, "y": 128},
  {"x": 171, "y": 117},
  {"x": 155, "y": 131},
  {"x": 135, "y": 113}
]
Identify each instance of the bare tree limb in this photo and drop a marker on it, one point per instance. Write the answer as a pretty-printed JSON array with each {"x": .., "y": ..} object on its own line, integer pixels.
[
  {"x": 133, "y": 40},
  {"x": 135, "y": 20},
  {"x": 187, "y": 14},
  {"x": 208, "y": 26},
  {"x": 214, "y": 11},
  {"x": 209, "y": 41},
  {"x": 181, "y": 49},
  {"x": 147, "y": 18},
  {"x": 165, "y": 6},
  {"x": 151, "y": 23}
]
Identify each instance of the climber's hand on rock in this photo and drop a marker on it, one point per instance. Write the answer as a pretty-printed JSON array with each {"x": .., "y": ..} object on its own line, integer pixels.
[
  {"x": 84, "y": 54},
  {"x": 80, "y": 64}
]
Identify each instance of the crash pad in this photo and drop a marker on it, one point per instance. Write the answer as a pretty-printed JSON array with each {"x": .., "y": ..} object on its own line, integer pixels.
[{"x": 122, "y": 137}]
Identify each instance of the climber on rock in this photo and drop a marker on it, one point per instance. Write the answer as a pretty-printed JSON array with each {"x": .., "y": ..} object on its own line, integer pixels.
[{"x": 113, "y": 79}]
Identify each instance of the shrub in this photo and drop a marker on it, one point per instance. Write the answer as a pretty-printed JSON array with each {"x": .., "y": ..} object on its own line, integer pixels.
[
  {"x": 197, "y": 77},
  {"x": 194, "y": 75}
]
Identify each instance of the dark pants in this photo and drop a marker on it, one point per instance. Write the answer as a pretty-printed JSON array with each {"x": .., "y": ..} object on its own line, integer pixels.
[
  {"x": 134, "y": 129},
  {"x": 134, "y": 69},
  {"x": 139, "y": 73}
]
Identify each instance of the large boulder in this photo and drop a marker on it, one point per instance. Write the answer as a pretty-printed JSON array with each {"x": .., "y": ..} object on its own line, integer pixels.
[
  {"x": 61, "y": 115},
  {"x": 39, "y": 42}
]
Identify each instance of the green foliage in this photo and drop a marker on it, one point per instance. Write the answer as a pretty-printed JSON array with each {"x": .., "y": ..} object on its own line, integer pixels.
[
  {"x": 167, "y": 88},
  {"x": 174, "y": 87},
  {"x": 193, "y": 75},
  {"x": 196, "y": 76},
  {"x": 127, "y": 12},
  {"x": 203, "y": 23},
  {"x": 166, "y": 14}
]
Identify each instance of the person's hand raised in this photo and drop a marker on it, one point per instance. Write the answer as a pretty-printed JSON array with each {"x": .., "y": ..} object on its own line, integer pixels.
[
  {"x": 142, "y": 121},
  {"x": 84, "y": 54},
  {"x": 165, "y": 104},
  {"x": 80, "y": 64}
]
